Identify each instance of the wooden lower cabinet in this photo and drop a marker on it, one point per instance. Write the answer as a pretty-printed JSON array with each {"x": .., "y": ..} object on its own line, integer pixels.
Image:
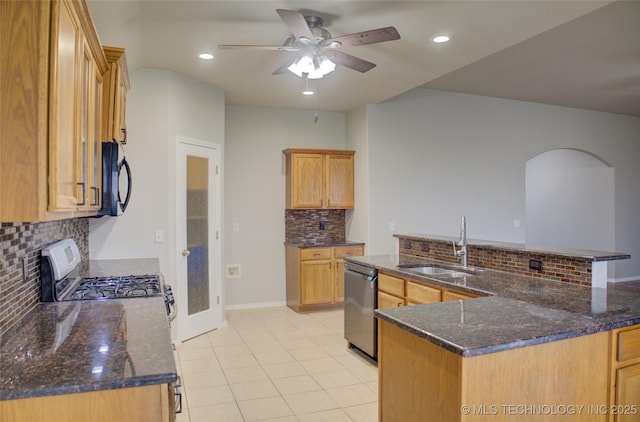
[
  {"x": 395, "y": 291},
  {"x": 154, "y": 403},
  {"x": 419, "y": 381},
  {"x": 625, "y": 374},
  {"x": 315, "y": 276},
  {"x": 448, "y": 295}
]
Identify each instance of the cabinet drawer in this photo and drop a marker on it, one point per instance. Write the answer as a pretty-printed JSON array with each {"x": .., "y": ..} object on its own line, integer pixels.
[
  {"x": 392, "y": 285},
  {"x": 386, "y": 300},
  {"x": 628, "y": 344},
  {"x": 342, "y": 251},
  {"x": 419, "y": 293},
  {"x": 315, "y": 253},
  {"x": 448, "y": 295}
]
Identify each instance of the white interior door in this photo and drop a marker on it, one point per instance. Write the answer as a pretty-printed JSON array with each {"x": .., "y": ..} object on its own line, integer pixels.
[{"x": 198, "y": 224}]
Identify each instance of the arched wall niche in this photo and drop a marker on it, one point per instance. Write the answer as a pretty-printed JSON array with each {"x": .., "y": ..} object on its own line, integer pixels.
[{"x": 570, "y": 201}]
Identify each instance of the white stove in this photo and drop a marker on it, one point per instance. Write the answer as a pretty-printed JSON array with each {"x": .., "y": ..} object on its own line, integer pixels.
[{"x": 60, "y": 272}]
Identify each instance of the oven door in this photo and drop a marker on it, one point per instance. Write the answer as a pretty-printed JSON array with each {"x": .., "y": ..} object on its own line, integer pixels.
[{"x": 116, "y": 181}]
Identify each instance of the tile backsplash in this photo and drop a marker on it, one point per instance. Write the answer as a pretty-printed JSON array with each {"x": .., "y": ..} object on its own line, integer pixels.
[
  {"x": 304, "y": 226},
  {"x": 25, "y": 240},
  {"x": 554, "y": 267}
]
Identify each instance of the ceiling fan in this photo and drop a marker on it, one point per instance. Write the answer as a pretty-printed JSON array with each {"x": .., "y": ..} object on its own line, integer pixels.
[{"x": 319, "y": 52}]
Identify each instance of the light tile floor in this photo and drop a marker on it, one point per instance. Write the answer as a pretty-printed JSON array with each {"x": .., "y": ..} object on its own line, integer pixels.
[{"x": 272, "y": 364}]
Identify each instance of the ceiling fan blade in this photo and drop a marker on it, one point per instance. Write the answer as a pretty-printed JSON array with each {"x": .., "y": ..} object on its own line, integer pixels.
[
  {"x": 296, "y": 23},
  {"x": 258, "y": 47},
  {"x": 352, "y": 62},
  {"x": 367, "y": 37}
]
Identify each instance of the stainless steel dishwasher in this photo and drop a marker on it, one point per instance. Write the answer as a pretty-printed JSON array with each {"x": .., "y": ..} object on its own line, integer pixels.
[{"x": 360, "y": 299}]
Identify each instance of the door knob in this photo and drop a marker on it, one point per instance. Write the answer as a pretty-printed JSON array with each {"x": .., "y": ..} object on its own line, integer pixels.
[{"x": 186, "y": 252}]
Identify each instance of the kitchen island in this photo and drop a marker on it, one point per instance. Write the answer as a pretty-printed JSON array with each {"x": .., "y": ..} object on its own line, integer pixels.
[
  {"x": 528, "y": 348},
  {"x": 98, "y": 360}
]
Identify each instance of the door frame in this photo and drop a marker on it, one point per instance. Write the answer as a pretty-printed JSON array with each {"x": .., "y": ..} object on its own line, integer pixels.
[{"x": 215, "y": 227}]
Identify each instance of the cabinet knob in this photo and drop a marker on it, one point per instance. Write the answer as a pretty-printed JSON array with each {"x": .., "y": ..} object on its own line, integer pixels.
[{"x": 186, "y": 252}]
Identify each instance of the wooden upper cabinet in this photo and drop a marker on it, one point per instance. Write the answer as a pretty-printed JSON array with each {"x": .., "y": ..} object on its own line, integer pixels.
[
  {"x": 115, "y": 96},
  {"x": 319, "y": 178},
  {"x": 47, "y": 136},
  {"x": 339, "y": 180}
]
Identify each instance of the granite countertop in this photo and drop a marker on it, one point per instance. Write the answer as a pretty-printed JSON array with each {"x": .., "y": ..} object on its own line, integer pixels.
[
  {"x": 80, "y": 346},
  {"x": 516, "y": 311},
  {"x": 585, "y": 254},
  {"x": 303, "y": 245}
]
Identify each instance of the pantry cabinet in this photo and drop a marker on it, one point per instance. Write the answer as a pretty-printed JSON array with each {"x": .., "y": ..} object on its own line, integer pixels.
[
  {"x": 315, "y": 276},
  {"x": 115, "y": 96},
  {"x": 318, "y": 179},
  {"x": 50, "y": 108}
]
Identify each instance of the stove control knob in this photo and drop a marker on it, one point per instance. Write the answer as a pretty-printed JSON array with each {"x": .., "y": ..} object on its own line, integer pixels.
[{"x": 186, "y": 252}]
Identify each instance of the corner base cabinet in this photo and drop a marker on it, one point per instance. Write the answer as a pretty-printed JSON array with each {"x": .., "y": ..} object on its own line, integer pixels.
[
  {"x": 153, "y": 403},
  {"x": 315, "y": 276}
]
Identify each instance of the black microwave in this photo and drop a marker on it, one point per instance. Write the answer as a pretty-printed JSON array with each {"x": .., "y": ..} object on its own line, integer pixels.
[{"x": 115, "y": 183}]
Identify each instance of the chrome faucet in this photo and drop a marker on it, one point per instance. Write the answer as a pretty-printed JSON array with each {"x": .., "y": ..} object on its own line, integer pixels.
[{"x": 462, "y": 243}]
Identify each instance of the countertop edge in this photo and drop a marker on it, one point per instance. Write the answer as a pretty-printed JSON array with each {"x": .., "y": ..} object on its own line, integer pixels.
[
  {"x": 59, "y": 390},
  {"x": 584, "y": 254}
]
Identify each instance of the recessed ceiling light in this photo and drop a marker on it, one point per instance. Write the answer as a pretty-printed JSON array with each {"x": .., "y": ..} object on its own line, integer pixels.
[
  {"x": 440, "y": 39},
  {"x": 206, "y": 56},
  {"x": 307, "y": 92}
]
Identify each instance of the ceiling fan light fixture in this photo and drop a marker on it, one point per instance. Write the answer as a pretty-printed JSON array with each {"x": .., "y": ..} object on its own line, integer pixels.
[
  {"x": 440, "y": 39},
  {"x": 314, "y": 67}
]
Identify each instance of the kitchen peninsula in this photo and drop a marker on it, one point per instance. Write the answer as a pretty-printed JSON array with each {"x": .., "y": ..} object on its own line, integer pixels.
[{"x": 528, "y": 344}]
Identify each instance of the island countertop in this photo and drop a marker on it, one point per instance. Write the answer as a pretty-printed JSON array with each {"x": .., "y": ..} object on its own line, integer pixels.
[
  {"x": 517, "y": 312},
  {"x": 81, "y": 346}
]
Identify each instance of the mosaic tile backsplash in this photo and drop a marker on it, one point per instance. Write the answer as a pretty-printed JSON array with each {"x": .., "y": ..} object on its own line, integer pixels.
[
  {"x": 304, "y": 226},
  {"x": 25, "y": 240}
]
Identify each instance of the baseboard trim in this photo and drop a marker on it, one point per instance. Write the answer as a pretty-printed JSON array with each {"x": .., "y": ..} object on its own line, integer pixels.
[{"x": 255, "y": 305}]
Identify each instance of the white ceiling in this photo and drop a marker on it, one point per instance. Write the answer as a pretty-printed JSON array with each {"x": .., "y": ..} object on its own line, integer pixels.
[{"x": 583, "y": 54}]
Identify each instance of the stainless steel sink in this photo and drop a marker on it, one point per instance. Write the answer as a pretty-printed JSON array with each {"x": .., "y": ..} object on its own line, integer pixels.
[{"x": 431, "y": 269}]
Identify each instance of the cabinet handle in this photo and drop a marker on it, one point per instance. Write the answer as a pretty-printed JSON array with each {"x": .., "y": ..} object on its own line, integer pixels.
[
  {"x": 96, "y": 194},
  {"x": 124, "y": 138},
  {"x": 399, "y": 304},
  {"x": 83, "y": 199}
]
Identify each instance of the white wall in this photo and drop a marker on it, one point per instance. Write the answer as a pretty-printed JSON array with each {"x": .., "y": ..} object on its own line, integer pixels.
[
  {"x": 358, "y": 139},
  {"x": 255, "y": 193},
  {"x": 160, "y": 106},
  {"x": 434, "y": 156}
]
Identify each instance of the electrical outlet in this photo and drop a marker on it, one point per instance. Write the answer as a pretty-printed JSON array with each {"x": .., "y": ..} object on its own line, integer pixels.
[
  {"x": 425, "y": 247},
  {"x": 322, "y": 225},
  {"x": 535, "y": 264},
  {"x": 233, "y": 271},
  {"x": 159, "y": 235}
]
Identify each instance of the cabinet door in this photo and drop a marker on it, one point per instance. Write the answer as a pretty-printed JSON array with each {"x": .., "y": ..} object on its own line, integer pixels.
[
  {"x": 95, "y": 168},
  {"x": 386, "y": 300},
  {"x": 339, "y": 254},
  {"x": 307, "y": 180},
  {"x": 339, "y": 181},
  {"x": 64, "y": 119},
  {"x": 338, "y": 277},
  {"x": 628, "y": 393},
  {"x": 316, "y": 282}
]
